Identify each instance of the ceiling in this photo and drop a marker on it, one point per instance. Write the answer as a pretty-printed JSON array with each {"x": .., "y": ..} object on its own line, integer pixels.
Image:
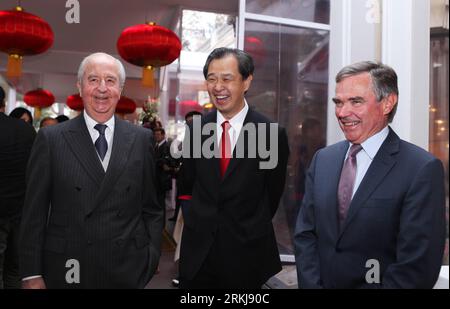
[{"x": 101, "y": 22}]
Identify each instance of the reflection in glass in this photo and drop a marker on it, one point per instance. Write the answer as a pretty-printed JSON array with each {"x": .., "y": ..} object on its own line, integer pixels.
[
  {"x": 290, "y": 86},
  {"x": 305, "y": 10},
  {"x": 204, "y": 31},
  {"x": 439, "y": 117},
  {"x": 201, "y": 32}
]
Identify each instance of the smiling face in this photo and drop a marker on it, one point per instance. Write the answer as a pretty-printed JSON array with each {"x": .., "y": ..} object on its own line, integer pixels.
[
  {"x": 357, "y": 110},
  {"x": 100, "y": 88},
  {"x": 226, "y": 86}
]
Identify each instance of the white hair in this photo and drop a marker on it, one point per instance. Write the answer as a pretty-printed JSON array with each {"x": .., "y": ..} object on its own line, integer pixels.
[{"x": 91, "y": 57}]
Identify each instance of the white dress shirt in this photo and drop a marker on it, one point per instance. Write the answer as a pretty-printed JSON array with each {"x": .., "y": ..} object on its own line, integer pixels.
[
  {"x": 236, "y": 123},
  {"x": 365, "y": 157},
  {"x": 109, "y": 133}
]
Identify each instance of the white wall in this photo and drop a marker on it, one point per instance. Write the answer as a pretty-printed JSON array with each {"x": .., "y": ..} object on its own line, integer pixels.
[
  {"x": 355, "y": 36},
  {"x": 396, "y": 33}
]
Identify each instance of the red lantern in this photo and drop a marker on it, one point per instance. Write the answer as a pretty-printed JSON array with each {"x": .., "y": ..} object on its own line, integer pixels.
[
  {"x": 148, "y": 46},
  {"x": 125, "y": 106},
  {"x": 22, "y": 34},
  {"x": 255, "y": 47},
  {"x": 189, "y": 105},
  {"x": 39, "y": 98},
  {"x": 75, "y": 102}
]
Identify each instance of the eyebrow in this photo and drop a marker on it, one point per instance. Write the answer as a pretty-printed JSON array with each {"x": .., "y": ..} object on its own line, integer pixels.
[
  {"x": 221, "y": 75},
  {"x": 356, "y": 99},
  {"x": 336, "y": 100},
  {"x": 95, "y": 75}
]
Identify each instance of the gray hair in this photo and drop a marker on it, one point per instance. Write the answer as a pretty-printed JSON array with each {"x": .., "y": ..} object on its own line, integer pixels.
[
  {"x": 384, "y": 79},
  {"x": 91, "y": 57}
]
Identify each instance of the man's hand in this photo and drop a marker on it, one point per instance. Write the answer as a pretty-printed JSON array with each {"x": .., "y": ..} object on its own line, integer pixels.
[{"x": 35, "y": 283}]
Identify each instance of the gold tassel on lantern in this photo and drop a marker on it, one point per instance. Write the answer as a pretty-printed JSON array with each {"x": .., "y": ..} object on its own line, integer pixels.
[
  {"x": 14, "y": 67},
  {"x": 147, "y": 77},
  {"x": 37, "y": 113}
]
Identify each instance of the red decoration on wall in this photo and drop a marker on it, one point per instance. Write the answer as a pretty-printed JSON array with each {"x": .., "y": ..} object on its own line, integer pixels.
[
  {"x": 40, "y": 98},
  {"x": 255, "y": 47},
  {"x": 22, "y": 34},
  {"x": 148, "y": 46},
  {"x": 125, "y": 106},
  {"x": 75, "y": 102}
]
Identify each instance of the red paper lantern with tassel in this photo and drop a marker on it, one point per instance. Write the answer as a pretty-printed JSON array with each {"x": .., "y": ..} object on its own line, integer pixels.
[
  {"x": 125, "y": 106},
  {"x": 255, "y": 47},
  {"x": 22, "y": 34},
  {"x": 75, "y": 102},
  {"x": 39, "y": 98},
  {"x": 148, "y": 46}
]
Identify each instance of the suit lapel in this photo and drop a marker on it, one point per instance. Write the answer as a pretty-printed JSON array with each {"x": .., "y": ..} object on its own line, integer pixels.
[
  {"x": 80, "y": 142},
  {"x": 213, "y": 163},
  {"x": 122, "y": 142},
  {"x": 380, "y": 167}
]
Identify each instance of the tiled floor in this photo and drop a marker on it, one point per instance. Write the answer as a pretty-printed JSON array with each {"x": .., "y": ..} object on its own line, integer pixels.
[
  {"x": 286, "y": 279},
  {"x": 167, "y": 270}
]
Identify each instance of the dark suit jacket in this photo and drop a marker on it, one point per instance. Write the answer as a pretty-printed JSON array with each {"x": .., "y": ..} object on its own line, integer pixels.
[
  {"x": 110, "y": 222},
  {"x": 396, "y": 217},
  {"x": 16, "y": 139},
  {"x": 234, "y": 213},
  {"x": 162, "y": 157}
]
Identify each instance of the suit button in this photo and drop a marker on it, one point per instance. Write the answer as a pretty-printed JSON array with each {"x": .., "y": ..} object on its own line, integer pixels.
[{"x": 89, "y": 242}]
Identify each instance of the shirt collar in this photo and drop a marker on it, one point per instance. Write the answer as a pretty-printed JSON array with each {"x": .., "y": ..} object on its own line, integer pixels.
[
  {"x": 237, "y": 120},
  {"x": 373, "y": 143},
  {"x": 90, "y": 123}
]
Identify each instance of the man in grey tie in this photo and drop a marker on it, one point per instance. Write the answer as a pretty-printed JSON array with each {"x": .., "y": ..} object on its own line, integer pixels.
[
  {"x": 91, "y": 217},
  {"x": 373, "y": 214}
]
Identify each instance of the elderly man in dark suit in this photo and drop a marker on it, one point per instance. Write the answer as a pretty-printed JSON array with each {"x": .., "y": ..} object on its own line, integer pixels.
[
  {"x": 228, "y": 239},
  {"x": 373, "y": 211},
  {"x": 91, "y": 217},
  {"x": 16, "y": 140}
]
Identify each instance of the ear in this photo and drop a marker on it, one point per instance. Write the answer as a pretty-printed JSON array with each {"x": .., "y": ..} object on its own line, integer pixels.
[
  {"x": 248, "y": 82},
  {"x": 389, "y": 103},
  {"x": 79, "y": 88}
]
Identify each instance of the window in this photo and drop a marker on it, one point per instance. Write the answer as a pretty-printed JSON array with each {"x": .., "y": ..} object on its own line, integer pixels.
[{"x": 439, "y": 106}]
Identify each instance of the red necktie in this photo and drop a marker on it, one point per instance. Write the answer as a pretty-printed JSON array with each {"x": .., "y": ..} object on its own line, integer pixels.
[{"x": 225, "y": 148}]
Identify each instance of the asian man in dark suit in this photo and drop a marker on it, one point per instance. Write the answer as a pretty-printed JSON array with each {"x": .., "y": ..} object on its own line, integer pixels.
[
  {"x": 228, "y": 239},
  {"x": 373, "y": 214},
  {"x": 91, "y": 217}
]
